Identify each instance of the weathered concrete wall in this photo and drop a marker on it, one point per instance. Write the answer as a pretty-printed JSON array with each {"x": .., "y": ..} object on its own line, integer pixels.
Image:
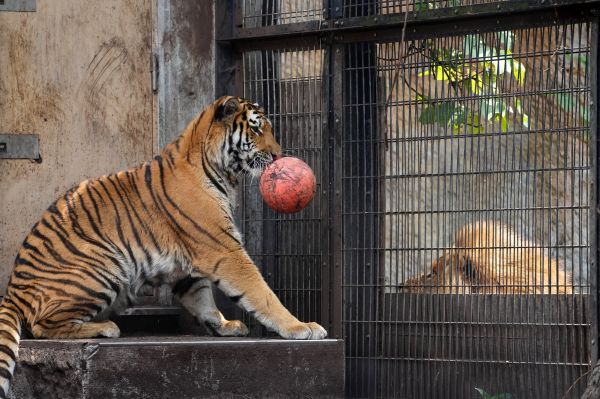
[
  {"x": 183, "y": 367},
  {"x": 78, "y": 74}
]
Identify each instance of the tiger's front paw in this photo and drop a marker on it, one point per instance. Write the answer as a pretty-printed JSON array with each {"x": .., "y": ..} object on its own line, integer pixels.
[
  {"x": 233, "y": 328},
  {"x": 304, "y": 331},
  {"x": 108, "y": 329}
]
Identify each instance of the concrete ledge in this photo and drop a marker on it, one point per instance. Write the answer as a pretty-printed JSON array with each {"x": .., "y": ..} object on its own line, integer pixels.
[{"x": 179, "y": 367}]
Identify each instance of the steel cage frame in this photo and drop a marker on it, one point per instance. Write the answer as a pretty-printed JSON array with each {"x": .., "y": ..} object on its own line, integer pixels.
[{"x": 332, "y": 33}]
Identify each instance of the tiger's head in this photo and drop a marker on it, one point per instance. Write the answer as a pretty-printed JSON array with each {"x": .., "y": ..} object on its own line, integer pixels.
[{"x": 244, "y": 136}]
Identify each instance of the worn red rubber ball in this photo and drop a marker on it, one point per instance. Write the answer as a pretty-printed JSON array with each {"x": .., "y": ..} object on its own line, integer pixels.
[{"x": 288, "y": 185}]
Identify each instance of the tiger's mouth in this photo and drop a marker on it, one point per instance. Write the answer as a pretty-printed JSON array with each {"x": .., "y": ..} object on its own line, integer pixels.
[{"x": 258, "y": 163}]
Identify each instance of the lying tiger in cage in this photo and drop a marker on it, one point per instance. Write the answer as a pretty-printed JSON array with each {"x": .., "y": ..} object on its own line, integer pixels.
[{"x": 489, "y": 257}]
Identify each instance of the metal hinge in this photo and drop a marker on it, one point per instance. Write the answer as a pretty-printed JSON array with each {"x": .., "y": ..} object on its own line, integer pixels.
[
  {"x": 155, "y": 71},
  {"x": 18, "y": 5},
  {"x": 20, "y": 146}
]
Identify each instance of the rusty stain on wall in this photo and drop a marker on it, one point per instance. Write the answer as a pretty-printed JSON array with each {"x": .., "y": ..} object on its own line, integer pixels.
[{"x": 78, "y": 75}]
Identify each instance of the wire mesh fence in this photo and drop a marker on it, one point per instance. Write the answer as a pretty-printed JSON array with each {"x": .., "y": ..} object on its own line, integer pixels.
[
  {"x": 450, "y": 243},
  {"x": 264, "y": 13},
  {"x": 290, "y": 248},
  {"x": 471, "y": 190}
]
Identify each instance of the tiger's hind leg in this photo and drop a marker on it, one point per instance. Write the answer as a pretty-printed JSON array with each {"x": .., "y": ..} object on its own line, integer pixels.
[
  {"x": 195, "y": 294},
  {"x": 75, "y": 330}
]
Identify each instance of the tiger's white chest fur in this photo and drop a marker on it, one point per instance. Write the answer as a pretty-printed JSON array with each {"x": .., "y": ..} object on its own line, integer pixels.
[{"x": 164, "y": 269}]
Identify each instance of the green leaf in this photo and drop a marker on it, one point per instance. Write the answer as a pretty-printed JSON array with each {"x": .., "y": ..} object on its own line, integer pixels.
[
  {"x": 422, "y": 98},
  {"x": 475, "y": 124},
  {"x": 504, "y": 123},
  {"x": 585, "y": 114},
  {"x": 564, "y": 100},
  {"x": 472, "y": 124},
  {"x": 518, "y": 105},
  {"x": 581, "y": 59},
  {"x": 486, "y": 395},
  {"x": 442, "y": 73},
  {"x": 423, "y": 6},
  {"x": 489, "y": 80},
  {"x": 492, "y": 108},
  {"x": 460, "y": 116},
  {"x": 483, "y": 393},
  {"x": 518, "y": 71},
  {"x": 525, "y": 120},
  {"x": 501, "y": 396},
  {"x": 476, "y": 85},
  {"x": 568, "y": 102},
  {"x": 442, "y": 113}
]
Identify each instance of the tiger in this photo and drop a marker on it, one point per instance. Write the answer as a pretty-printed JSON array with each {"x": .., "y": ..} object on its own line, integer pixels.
[
  {"x": 169, "y": 220},
  {"x": 489, "y": 257}
]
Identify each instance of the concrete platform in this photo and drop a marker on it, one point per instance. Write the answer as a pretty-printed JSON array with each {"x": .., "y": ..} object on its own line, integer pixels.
[{"x": 179, "y": 367}]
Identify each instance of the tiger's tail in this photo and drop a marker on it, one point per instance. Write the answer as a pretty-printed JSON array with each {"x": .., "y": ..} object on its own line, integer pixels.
[{"x": 10, "y": 331}]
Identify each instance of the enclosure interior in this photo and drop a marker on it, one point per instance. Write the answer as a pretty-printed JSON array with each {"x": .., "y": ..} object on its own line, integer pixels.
[{"x": 449, "y": 241}]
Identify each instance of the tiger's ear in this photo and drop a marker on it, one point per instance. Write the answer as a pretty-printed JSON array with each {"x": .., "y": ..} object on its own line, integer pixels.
[{"x": 227, "y": 109}]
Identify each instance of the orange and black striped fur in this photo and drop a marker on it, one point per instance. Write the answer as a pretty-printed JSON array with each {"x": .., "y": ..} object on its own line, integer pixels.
[{"x": 169, "y": 220}]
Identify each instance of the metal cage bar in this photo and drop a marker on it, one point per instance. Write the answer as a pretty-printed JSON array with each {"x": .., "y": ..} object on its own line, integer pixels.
[{"x": 594, "y": 215}]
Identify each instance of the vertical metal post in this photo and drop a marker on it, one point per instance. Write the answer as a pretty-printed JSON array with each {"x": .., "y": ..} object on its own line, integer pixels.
[
  {"x": 336, "y": 9},
  {"x": 229, "y": 81},
  {"x": 326, "y": 210},
  {"x": 272, "y": 243},
  {"x": 228, "y": 72},
  {"x": 237, "y": 10},
  {"x": 336, "y": 93},
  {"x": 360, "y": 212},
  {"x": 595, "y": 192}
]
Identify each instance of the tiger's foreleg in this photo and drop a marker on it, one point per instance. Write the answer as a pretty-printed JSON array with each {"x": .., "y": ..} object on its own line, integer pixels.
[
  {"x": 195, "y": 294},
  {"x": 75, "y": 330},
  {"x": 237, "y": 276}
]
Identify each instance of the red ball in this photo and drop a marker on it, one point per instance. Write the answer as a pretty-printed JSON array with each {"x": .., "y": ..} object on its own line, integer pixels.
[{"x": 288, "y": 185}]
